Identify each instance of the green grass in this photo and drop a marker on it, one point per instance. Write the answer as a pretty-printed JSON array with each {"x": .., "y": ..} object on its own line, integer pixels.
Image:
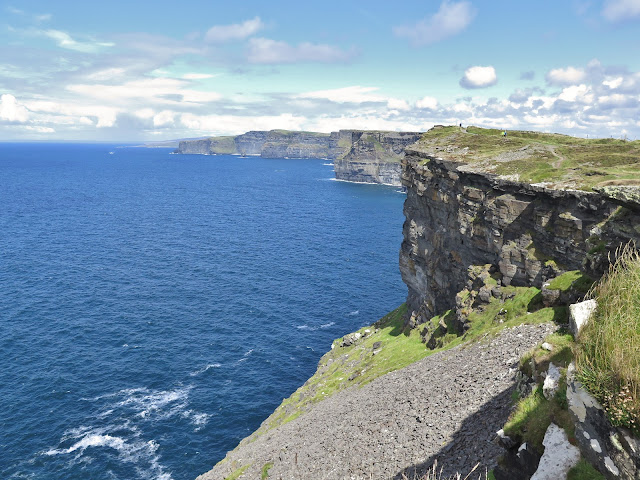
[
  {"x": 533, "y": 415},
  {"x": 264, "y": 473},
  {"x": 237, "y": 472},
  {"x": 561, "y": 355},
  {"x": 559, "y": 160},
  {"x": 573, "y": 279},
  {"x": 584, "y": 471},
  {"x": 608, "y": 357}
]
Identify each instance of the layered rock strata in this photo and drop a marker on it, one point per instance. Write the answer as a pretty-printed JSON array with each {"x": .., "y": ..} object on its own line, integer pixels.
[
  {"x": 359, "y": 156},
  {"x": 457, "y": 218},
  {"x": 374, "y": 157}
]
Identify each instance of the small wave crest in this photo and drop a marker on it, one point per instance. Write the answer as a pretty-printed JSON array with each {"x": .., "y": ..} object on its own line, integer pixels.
[
  {"x": 354, "y": 313},
  {"x": 204, "y": 369}
]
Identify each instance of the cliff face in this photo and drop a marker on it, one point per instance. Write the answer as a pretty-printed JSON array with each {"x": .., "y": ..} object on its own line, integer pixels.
[
  {"x": 271, "y": 144},
  {"x": 359, "y": 156},
  {"x": 285, "y": 144},
  {"x": 373, "y": 157},
  {"x": 524, "y": 234}
]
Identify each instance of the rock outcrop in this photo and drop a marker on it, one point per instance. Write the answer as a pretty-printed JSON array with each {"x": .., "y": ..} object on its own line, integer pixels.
[{"x": 457, "y": 217}]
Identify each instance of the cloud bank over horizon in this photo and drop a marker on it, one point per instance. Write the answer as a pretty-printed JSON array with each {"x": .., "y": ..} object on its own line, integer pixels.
[{"x": 62, "y": 81}]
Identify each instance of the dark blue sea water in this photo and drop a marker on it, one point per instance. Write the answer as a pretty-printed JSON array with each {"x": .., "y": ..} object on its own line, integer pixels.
[{"x": 155, "y": 308}]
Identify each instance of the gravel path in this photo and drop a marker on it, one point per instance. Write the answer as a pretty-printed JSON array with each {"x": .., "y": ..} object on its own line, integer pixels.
[{"x": 447, "y": 406}]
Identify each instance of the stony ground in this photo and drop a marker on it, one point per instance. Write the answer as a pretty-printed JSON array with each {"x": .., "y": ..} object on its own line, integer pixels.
[{"x": 447, "y": 406}]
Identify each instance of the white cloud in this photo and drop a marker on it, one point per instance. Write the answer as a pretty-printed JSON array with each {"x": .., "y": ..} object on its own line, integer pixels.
[
  {"x": 64, "y": 40},
  {"x": 11, "y": 110},
  {"x": 144, "y": 113},
  {"x": 233, "y": 124},
  {"x": 237, "y": 31},
  {"x": 267, "y": 51},
  {"x": 451, "y": 19},
  {"x": 39, "y": 129},
  {"x": 197, "y": 76},
  {"x": 159, "y": 90},
  {"x": 397, "y": 104},
  {"x": 429, "y": 103},
  {"x": 577, "y": 94},
  {"x": 613, "y": 83},
  {"x": 163, "y": 118},
  {"x": 355, "y": 94},
  {"x": 565, "y": 76},
  {"x": 620, "y": 10},
  {"x": 106, "y": 74},
  {"x": 479, "y": 77},
  {"x": 71, "y": 113}
]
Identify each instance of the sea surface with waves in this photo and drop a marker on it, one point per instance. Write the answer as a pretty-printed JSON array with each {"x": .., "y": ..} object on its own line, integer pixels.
[{"x": 155, "y": 308}]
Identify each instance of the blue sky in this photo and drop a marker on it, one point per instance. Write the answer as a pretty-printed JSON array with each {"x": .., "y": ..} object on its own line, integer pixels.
[{"x": 160, "y": 70}]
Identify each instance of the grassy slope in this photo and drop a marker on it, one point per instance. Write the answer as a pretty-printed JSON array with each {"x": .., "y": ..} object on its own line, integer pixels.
[
  {"x": 609, "y": 354},
  {"x": 559, "y": 160},
  {"x": 358, "y": 364}
]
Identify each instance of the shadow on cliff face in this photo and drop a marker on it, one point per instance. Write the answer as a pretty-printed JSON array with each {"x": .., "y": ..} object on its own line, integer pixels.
[{"x": 473, "y": 442}]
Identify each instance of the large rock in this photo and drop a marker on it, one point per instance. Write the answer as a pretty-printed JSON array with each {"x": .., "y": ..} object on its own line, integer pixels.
[
  {"x": 559, "y": 455},
  {"x": 579, "y": 315}
]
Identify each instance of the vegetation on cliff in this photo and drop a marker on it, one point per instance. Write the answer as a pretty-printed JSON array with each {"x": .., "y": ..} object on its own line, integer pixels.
[
  {"x": 609, "y": 346},
  {"x": 557, "y": 160}
]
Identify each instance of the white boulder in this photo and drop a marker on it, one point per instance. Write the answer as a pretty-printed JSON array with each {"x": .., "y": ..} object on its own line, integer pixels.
[
  {"x": 559, "y": 455},
  {"x": 579, "y": 315}
]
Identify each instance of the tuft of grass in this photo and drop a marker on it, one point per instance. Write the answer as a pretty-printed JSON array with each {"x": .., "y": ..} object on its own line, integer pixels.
[
  {"x": 533, "y": 415},
  {"x": 264, "y": 473},
  {"x": 608, "y": 358},
  {"x": 584, "y": 471},
  {"x": 572, "y": 279},
  {"x": 237, "y": 472},
  {"x": 561, "y": 355}
]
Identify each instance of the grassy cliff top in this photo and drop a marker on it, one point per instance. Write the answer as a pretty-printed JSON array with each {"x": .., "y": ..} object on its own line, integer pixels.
[{"x": 559, "y": 161}]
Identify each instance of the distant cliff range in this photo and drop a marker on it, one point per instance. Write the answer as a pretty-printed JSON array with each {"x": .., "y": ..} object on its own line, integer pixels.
[{"x": 358, "y": 155}]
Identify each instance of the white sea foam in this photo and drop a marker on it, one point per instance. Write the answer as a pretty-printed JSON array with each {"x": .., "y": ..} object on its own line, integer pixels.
[
  {"x": 197, "y": 419},
  {"x": 304, "y": 327},
  {"x": 205, "y": 368},
  {"x": 246, "y": 354},
  {"x": 153, "y": 400},
  {"x": 135, "y": 450},
  {"x": 327, "y": 325},
  {"x": 354, "y": 313},
  {"x": 328, "y": 164},
  {"x": 91, "y": 441}
]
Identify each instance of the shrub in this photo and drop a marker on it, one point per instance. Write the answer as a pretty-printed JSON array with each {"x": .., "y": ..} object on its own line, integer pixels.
[{"x": 608, "y": 357}]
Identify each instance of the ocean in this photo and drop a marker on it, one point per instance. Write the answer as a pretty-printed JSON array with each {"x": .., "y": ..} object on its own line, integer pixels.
[{"x": 156, "y": 308}]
